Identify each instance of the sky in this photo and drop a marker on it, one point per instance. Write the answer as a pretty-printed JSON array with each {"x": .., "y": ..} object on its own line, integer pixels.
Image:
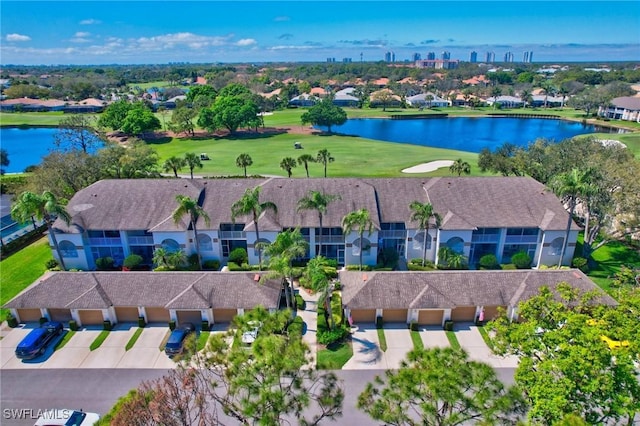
[{"x": 147, "y": 32}]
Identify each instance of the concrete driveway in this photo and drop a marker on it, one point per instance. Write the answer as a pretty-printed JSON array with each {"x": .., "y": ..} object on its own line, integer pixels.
[
  {"x": 366, "y": 350},
  {"x": 399, "y": 343},
  {"x": 471, "y": 341},
  {"x": 433, "y": 336}
]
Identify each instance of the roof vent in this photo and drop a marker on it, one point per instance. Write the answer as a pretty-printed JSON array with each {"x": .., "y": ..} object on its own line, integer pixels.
[
  {"x": 364, "y": 277},
  {"x": 256, "y": 277}
]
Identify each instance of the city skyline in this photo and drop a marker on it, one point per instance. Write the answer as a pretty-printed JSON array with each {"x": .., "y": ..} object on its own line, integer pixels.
[{"x": 101, "y": 32}]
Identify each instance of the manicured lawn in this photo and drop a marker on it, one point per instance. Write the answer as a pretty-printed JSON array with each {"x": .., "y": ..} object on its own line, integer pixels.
[
  {"x": 486, "y": 337},
  {"x": 133, "y": 339},
  {"x": 335, "y": 356},
  {"x": 453, "y": 340},
  {"x": 51, "y": 119},
  {"x": 21, "y": 269},
  {"x": 382, "y": 339},
  {"x": 99, "y": 340},
  {"x": 203, "y": 338},
  {"x": 417, "y": 340},
  {"x": 65, "y": 339}
]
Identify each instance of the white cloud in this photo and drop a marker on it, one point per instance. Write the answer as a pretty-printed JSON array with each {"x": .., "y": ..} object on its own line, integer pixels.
[
  {"x": 17, "y": 37},
  {"x": 82, "y": 34},
  {"x": 89, "y": 22},
  {"x": 292, "y": 47},
  {"x": 246, "y": 42},
  {"x": 281, "y": 18}
]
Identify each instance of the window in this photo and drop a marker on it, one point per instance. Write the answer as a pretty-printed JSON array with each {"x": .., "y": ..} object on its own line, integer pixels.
[
  {"x": 263, "y": 242},
  {"x": 456, "y": 244},
  {"x": 418, "y": 240},
  {"x": 555, "y": 249},
  {"x": 170, "y": 245},
  {"x": 68, "y": 249},
  {"x": 363, "y": 244},
  {"x": 204, "y": 242}
]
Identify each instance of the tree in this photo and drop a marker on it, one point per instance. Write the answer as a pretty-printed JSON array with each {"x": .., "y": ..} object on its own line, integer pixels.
[
  {"x": 318, "y": 276},
  {"x": 192, "y": 160},
  {"x": 140, "y": 120},
  {"x": 189, "y": 206},
  {"x": 324, "y": 113},
  {"x": 182, "y": 119},
  {"x": 138, "y": 160},
  {"x": 113, "y": 116},
  {"x": 451, "y": 259},
  {"x": 359, "y": 220},
  {"x": 77, "y": 132},
  {"x": 306, "y": 159},
  {"x": 250, "y": 204},
  {"x": 244, "y": 160},
  {"x": 422, "y": 213},
  {"x": 460, "y": 167},
  {"x": 174, "y": 164},
  {"x": 566, "y": 364},
  {"x": 384, "y": 97},
  {"x": 201, "y": 95},
  {"x": 441, "y": 387},
  {"x": 570, "y": 186},
  {"x": 4, "y": 161},
  {"x": 43, "y": 207},
  {"x": 318, "y": 201},
  {"x": 288, "y": 164},
  {"x": 324, "y": 157},
  {"x": 230, "y": 112},
  {"x": 288, "y": 245}
]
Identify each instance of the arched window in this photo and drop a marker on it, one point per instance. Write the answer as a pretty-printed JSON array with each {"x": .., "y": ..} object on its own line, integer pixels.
[
  {"x": 555, "y": 249},
  {"x": 68, "y": 249},
  {"x": 418, "y": 240},
  {"x": 363, "y": 244},
  {"x": 260, "y": 245},
  {"x": 170, "y": 245},
  {"x": 204, "y": 242},
  {"x": 456, "y": 244}
]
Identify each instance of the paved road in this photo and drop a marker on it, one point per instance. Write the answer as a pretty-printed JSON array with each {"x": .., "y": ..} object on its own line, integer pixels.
[{"x": 97, "y": 390}]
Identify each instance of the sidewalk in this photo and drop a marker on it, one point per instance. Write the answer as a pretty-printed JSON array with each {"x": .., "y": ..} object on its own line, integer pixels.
[{"x": 310, "y": 318}]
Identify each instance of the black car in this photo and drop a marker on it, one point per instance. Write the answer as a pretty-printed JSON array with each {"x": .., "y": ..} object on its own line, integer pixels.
[
  {"x": 176, "y": 340},
  {"x": 35, "y": 343}
]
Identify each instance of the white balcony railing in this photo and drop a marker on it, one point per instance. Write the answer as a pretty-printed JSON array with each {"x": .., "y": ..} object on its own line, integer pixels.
[
  {"x": 393, "y": 234},
  {"x": 233, "y": 235},
  {"x": 331, "y": 239},
  {"x": 485, "y": 238},
  {"x": 521, "y": 239},
  {"x": 140, "y": 241},
  {"x": 96, "y": 241}
]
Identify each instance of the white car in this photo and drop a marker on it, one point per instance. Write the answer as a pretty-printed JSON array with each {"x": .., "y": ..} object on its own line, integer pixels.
[
  {"x": 66, "y": 417},
  {"x": 250, "y": 336}
]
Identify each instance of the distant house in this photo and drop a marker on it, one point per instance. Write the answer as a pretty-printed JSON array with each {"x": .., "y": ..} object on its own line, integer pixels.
[
  {"x": 33, "y": 105},
  {"x": 624, "y": 108},
  {"x": 505, "y": 101},
  {"x": 428, "y": 100},
  {"x": 551, "y": 101},
  {"x": 345, "y": 98},
  {"x": 304, "y": 100}
]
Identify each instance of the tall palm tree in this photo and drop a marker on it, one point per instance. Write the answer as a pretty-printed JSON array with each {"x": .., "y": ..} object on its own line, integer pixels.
[
  {"x": 43, "y": 207},
  {"x": 360, "y": 220},
  {"x": 192, "y": 160},
  {"x": 288, "y": 245},
  {"x": 190, "y": 206},
  {"x": 316, "y": 273},
  {"x": 250, "y": 204},
  {"x": 288, "y": 164},
  {"x": 571, "y": 186},
  {"x": 318, "y": 201},
  {"x": 525, "y": 95},
  {"x": 306, "y": 159},
  {"x": 324, "y": 157},
  {"x": 460, "y": 167},
  {"x": 422, "y": 213},
  {"x": 174, "y": 164},
  {"x": 244, "y": 160}
]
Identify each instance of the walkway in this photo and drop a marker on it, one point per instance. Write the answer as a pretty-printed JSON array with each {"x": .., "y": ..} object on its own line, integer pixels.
[{"x": 310, "y": 318}]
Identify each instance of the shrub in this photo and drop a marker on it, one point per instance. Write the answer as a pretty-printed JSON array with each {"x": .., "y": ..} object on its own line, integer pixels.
[
  {"x": 383, "y": 268},
  {"x": 522, "y": 260},
  {"x": 238, "y": 256},
  {"x": 357, "y": 267},
  {"x": 211, "y": 264},
  {"x": 73, "y": 325},
  {"x": 389, "y": 257},
  {"x": 337, "y": 285},
  {"x": 489, "y": 261},
  {"x": 448, "y": 325},
  {"x": 132, "y": 261},
  {"x": 297, "y": 272},
  {"x": 12, "y": 321},
  {"x": 508, "y": 266},
  {"x": 206, "y": 326},
  {"x": 296, "y": 327},
  {"x": 378, "y": 322},
  {"x": 581, "y": 263},
  {"x": 51, "y": 264},
  {"x": 162, "y": 269},
  {"x": 141, "y": 322},
  {"x": 106, "y": 325},
  {"x": 234, "y": 266},
  {"x": 172, "y": 325},
  {"x": 105, "y": 263},
  {"x": 327, "y": 337},
  {"x": 301, "y": 305},
  {"x": 413, "y": 326},
  {"x": 333, "y": 263}
]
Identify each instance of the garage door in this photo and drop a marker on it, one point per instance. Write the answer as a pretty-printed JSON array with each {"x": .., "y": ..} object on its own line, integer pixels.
[
  {"x": 224, "y": 315},
  {"x": 91, "y": 317},
  {"x": 430, "y": 317},
  {"x": 467, "y": 313},
  {"x": 157, "y": 315},
  {"x": 127, "y": 314},
  {"x": 363, "y": 315},
  {"x": 61, "y": 315},
  {"x": 29, "y": 315},
  {"x": 194, "y": 317},
  {"x": 394, "y": 315},
  {"x": 491, "y": 312}
]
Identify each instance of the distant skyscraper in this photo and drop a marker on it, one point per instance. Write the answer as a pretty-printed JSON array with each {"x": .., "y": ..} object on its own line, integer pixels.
[
  {"x": 347, "y": 60},
  {"x": 431, "y": 56},
  {"x": 390, "y": 57},
  {"x": 416, "y": 57},
  {"x": 508, "y": 57},
  {"x": 473, "y": 56},
  {"x": 331, "y": 59},
  {"x": 446, "y": 55},
  {"x": 491, "y": 57},
  {"x": 528, "y": 57}
]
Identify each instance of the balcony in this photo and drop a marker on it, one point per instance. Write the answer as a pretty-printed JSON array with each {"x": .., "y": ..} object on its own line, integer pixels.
[
  {"x": 521, "y": 239},
  {"x": 233, "y": 235},
  {"x": 396, "y": 234},
  {"x": 330, "y": 239},
  {"x": 485, "y": 238},
  {"x": 140, "y": 241},
  {"x": 101, "y": 241}
]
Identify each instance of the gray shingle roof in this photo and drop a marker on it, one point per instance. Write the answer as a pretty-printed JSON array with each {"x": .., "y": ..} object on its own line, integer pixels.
[
  {"x": 449, "y": 289},
  {"x": 172, "y": 290}
]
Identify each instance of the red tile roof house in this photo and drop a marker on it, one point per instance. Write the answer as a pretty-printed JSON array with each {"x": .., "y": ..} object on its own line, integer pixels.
[{"x": 27, "y": 104}]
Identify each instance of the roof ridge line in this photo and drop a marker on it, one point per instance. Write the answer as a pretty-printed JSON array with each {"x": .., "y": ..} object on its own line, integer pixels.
[{"x": 186, "y": 289}]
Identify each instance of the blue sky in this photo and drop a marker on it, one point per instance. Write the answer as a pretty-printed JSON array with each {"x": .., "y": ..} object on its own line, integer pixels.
[{"x": 130, "y": 32}]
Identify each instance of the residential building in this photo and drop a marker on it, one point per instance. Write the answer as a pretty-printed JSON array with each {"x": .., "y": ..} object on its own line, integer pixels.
[
  {"x": 428, "y": 99},
  {"x": 416, "y": 56},
  {"x": 486, "y": 215},
  {"x": 431, "y": 56},
  {"x": 508, "y": 57},
  {"x": 346, "y": 60},
  {"x": 505, "y": 101},
  {"x": 437, "y": 64},
  {"x": 490, "y": 57},
  {"x": 445, "y": 55},
  {"x": 623, "y": 108},
  {"x": 473, "y": 57},
  {"x": 390, "y": 56},
  {"x": 331, "y": 59},
  {"x": 527, "y": 57}
]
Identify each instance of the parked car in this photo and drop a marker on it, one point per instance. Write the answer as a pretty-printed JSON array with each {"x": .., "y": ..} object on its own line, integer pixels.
[
  {"x": 250, "y": 336},
  {"x": 35, "y": 343},
  {"x": 67, "y": 417},
  {"x": 175, "y": 344}
]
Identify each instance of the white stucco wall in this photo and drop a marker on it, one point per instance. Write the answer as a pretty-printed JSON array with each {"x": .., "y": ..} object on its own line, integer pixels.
[
  {"x": 251, "y": 239},
  {"x": 545, "y": 256},
  {"x": 369, "y": 257},
  {"x": 82, "y": 261},
  {"x": 444, "y": 236},
  {"x": 414, "y": 251}
]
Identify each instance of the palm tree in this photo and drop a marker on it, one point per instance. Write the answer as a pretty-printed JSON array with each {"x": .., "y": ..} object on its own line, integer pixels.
[
  {"x": 174, "y": 164},
  {"x": 244, "y": 160},
  {"x": 288, "y": 245},
  {"x": 288, "y": 164},
  {"x": 570, "y": 186},
  {"x": 451, "y": 259},
  {"x": 422, "y": 213},
  {"x": 191, "y": 207},
  {"x": 192, "y": 160},
  {"x": 43, "y": 207},
  {"x": 460, "y": 167},
  {"x": 361, "y": 221},
  {"x": 525, "y": 95},
  {"x": 160, "y": 256},
  {"x": 250, "y": 203},
  {"x": 324, "y": 157},
  {"x": 319, "y": 281},
  {"x": 306, "y": 159},
  {"x": 318, "y": 201}
]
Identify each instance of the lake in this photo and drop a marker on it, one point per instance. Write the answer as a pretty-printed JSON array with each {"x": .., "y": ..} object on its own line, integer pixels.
[{"x": 470, "y": 134}]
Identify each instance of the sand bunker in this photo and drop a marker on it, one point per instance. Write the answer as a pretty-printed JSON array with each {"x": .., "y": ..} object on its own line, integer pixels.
[{"x": 428, "y": 167}]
